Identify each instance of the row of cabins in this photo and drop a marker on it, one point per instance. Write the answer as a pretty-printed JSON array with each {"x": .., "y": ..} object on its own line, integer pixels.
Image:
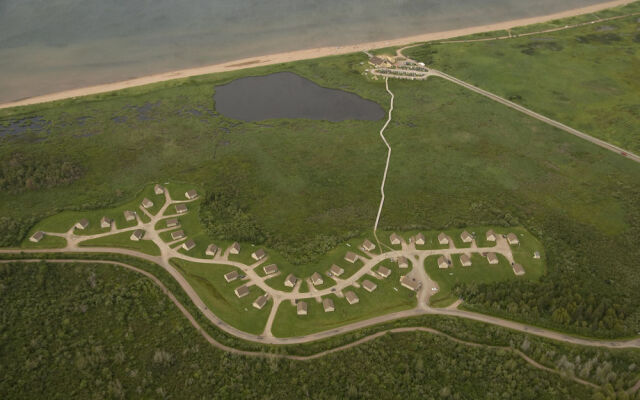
[
  {"x": 465, "y": 236},
  {"x": 492, "y": 258}
]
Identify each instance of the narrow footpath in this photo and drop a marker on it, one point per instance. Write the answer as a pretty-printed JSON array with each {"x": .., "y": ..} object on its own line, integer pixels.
[{"x": 386, "y": 167}]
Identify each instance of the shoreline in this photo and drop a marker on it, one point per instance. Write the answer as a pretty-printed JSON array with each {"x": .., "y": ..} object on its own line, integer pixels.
[{"x": 306, "y": 54}]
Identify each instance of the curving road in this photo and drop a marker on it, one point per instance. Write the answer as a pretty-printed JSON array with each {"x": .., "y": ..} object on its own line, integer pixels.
[{"x": 358, "y": 342}]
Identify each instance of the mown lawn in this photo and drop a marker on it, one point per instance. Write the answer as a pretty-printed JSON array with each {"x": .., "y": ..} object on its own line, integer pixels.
[{"x": 123, "y": 240}]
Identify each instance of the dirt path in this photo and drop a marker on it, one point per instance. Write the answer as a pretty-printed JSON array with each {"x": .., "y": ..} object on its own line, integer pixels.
[
  {"x": 347, "y": 346},
  {"x": 386, "y": 167}
]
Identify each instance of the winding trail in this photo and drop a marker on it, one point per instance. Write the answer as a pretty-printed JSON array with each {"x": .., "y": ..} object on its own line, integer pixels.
[
  {"x": 347, "y": 346},
  {"x": 386, "y": 167}
]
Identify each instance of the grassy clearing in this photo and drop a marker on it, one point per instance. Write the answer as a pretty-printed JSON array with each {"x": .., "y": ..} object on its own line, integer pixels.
[
  {"x": 123, "y": 240},
  {"x": 583, "y": 77},
  {"x": 388, "y": 297},
  {"x": 218, "y": 295}
]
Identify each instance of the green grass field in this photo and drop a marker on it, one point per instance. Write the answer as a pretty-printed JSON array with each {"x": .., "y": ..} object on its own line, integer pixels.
[
  {"x": 584, "y": 77},
  {"x": 123, "y": 240},
  {"x": 218, "y": 295}
]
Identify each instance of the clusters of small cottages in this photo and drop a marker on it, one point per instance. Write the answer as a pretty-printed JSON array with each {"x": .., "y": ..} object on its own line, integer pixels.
[{"x": 382, "y": 272}]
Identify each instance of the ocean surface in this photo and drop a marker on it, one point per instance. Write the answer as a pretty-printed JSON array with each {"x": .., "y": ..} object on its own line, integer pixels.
[{"x": 47, "y": 46}]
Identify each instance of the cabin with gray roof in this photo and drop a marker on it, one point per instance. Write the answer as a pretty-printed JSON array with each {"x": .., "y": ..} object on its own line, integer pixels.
[
  {"x": 137, "y": 235},
  {"x": 189, "y": 244},
  {"x": 301, "y": 308},
  {"x": 261, "y": 301},
  {"x": 270, "y": 269},
  {"x": 105, "y": 222},
  {"x": 235, "y": 248},
  {"x": 129, "y": 216},
  {"x": 465, "y": 260},
  {"x": 492, "y": 258},
  {"x": 336, "y": 270},
  {"x": 410, "y": 283},
  {"x": 82, "y": 224},
  {"x": 181, "y": 208},
  {"x": 231, "y": 276},
  {"x": 351, "y": 257},
  {"x": 242, "y": 291},
  {"x": 290, "y": 280},
  {"x": 36, "y": 237},
  {"x": 259, "y": 254},
  {"x": 327, "y": 304},
  {"x": 211, "y": 250},
  {"x": 191, "y": 194},
  {"x": 367, "y": 245},
  {"x": 403, "y": 262},
  {"x": 536, "y": 254},
  {"x": 351, "y": 297},
  {"x": 466, "y": 237},
  {"x": 384, "y": 272},
  {"x": 420, "y": 240},
  {"x": 491, "y": 236},
  {"x": 146, "y": 203},
  {"x": 517, "y": 269},
  {"x": 157, "y": 189},
  {"x": 316, "y": 279},
  {"x": 172, "y": 222},
  {"x": 395, "y": 239},
  {"x": 177, "y": 235},
  {"x": 443, "y": 239},
  {"x": 513, "y": 239},
  {"x": 368, "y": 285},
  {"x": 443, "y": 262}
]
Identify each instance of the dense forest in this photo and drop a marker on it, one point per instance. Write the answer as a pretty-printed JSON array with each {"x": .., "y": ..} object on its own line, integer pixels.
[
  {"x": 71, "y": 331},
  {"x": 20, "y": 172}
]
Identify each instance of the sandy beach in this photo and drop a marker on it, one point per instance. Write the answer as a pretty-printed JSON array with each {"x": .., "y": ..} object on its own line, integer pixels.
[{"x": 306, "y": 54}]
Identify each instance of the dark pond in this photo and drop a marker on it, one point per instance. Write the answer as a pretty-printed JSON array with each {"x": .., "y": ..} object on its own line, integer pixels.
[{"x": 287, "y": 95}]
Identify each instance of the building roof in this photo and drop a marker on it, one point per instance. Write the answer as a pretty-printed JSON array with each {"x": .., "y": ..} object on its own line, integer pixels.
[
  {"x": 138, "y": 233},
  {"x": 367, "y": 245},
  {"x": 211, "y": 249},
  {"x": 403, "y": 262},
  {"x": 106, "y": 220},
  {"x": 376, "y": 60},
  {"x": 394, "y": 238},
  {"x": 158, "y": 189},
  {"x": 146, "y": 203},
  {"x": 189, "y": 244},
  {"x": 420, "y": 237},
  {"x": 351, "y": 256},
  {"x": 442, "y": 260},
  {"x": 236, "y": 246},
  {"x": 512, "y": 238},
  {"x": 336, "y": 270},
  {"x": 465, "y": 260},
  {"x": 231, "y": 276},
  {"x": 172, "y": 222},
  {"x": 270, "y": 269},
  {"x": 368, "y": 285},
  {"x": 242, "y": 291},
  {"x": 37, "y": 236},
  {"x": 517, "y": 269},
  {"x": 351, "y": 297},
  {"x": 175, "y": 235},
  {"x": 260, "y": 302},
  {"x": 291, "y": 279},
  {"x": 466, "y": 236},
  {"x": 327, "y": 304},
  {"x": 384, "y": 271},
  {"x": 301, "y": 307},
  {"x": 490, "y": 234},
  {"x": 492, "y": 257},
  {"x": 442, "y": 237},
  {"x": 181, "y": 208},
  {"x": 129, "y": 214},
  {"x": 191, "y": 194},
  {"x": 410, "y": 283},
  {"x": 316, "y": 279},
  {"x": 260, "y": 253},
  {"x": 83, "y": 223}
]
